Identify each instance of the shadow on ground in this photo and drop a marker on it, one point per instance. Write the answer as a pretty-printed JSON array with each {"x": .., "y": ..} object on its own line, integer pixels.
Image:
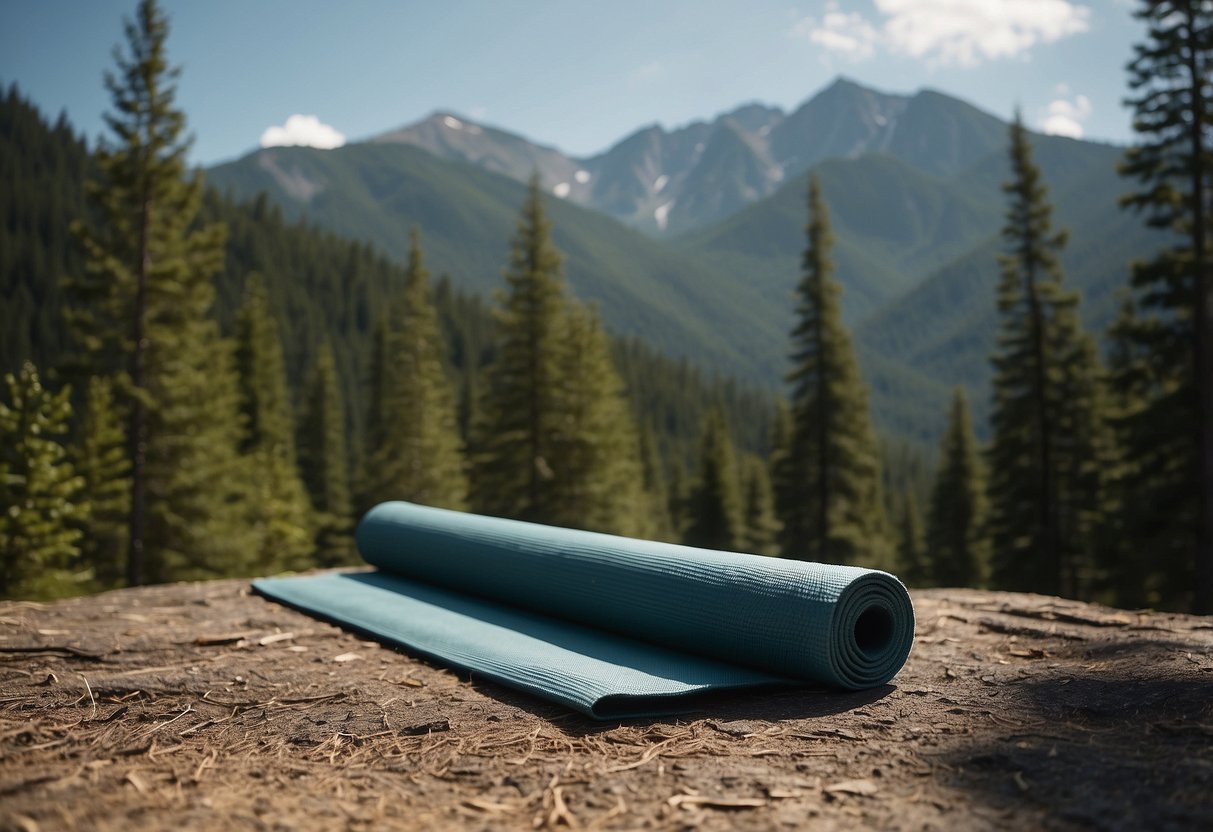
[
  {"x": 769, "y": 705},
  {"x": 1116, "y": 742}
]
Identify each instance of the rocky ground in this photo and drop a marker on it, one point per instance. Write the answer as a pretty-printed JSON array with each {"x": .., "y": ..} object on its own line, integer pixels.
[{"x": 202, "y": 706}]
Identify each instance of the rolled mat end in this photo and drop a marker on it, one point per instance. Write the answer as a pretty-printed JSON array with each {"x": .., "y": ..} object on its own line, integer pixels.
[{"x": 872, "y": 631}]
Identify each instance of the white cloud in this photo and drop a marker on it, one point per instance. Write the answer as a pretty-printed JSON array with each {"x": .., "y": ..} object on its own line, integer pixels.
[
  {"x": 1065, "y": 116},
  {"x": 964, "y": 32},
  {"x": 302, "y": 130},
  {"x": 849, "y": 35},
  {"x": 967, "y": 31}
]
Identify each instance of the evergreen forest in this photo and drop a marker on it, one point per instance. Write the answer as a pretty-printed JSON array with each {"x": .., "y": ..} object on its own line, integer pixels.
[{"x": 199, "y": 382}]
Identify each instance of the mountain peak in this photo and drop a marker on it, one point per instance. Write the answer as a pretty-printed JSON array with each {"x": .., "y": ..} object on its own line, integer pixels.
[
  {"x": 437, "y": 120},
  {"x": 453, "y": 136},
  {"x": 845, "y": 82},
  {"x": 755, "y": 117}
]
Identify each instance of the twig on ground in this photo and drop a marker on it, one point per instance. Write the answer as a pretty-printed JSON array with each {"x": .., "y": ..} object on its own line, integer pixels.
[{"x": 91, "y": 698}]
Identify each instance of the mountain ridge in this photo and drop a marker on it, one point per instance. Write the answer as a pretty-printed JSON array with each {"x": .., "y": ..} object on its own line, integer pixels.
[{"x": 651, "y": 179}]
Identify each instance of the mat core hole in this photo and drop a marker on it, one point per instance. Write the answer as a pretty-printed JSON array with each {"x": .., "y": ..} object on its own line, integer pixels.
[{"x": 874, "y": 629}]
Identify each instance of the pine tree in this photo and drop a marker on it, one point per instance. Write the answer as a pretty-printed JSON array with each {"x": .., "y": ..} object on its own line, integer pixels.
[
  {"x": 278, "y": 502},
  {"x": 40, "y": 499},
  {"x": 418, "y": 455},
  {"x": 912, "y": 565},
  {"x": 761, "y": 525},
  {"x": 830, "y": 477},
  {"x": 513, "y": 473},
  {"x": 1045, "y": 383},
  {"x": 322, "y": 462},
  {"x": 956, "y": 543},
  {"x": 140, "y": 312},
  {"x": 596, "y": 459},
  {"x": 103, "y": 465},
  {"x": 1163, "y": 375},
  {"x": 552, "y": 406},
  {"x": 714, "y": 510}
]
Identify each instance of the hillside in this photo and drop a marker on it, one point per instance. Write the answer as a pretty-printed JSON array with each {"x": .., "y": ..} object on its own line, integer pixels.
[
  {"x": 194, "y": 706},
  {"x": 894, "y": 223},
  {"x": 917, "y": 255},
  {"x": 679, "y": 303},
  {"x": 945, "y": 326}
]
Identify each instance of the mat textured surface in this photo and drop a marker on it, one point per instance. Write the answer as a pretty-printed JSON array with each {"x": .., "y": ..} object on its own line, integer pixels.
[{"x": 606, "y": 625}]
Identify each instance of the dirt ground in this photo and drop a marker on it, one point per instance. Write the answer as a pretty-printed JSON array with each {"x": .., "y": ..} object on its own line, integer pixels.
[{"x": 202, "y": 706}]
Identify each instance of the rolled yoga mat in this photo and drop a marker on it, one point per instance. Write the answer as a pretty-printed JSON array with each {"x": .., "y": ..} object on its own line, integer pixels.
[{"x": 609, "y": 626}]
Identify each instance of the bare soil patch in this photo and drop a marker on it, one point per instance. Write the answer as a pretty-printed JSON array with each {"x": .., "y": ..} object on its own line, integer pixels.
[{"x": 202, "y": 706}]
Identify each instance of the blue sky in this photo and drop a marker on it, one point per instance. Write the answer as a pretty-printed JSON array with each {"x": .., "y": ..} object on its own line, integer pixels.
[{"x": 577, "y": 75}]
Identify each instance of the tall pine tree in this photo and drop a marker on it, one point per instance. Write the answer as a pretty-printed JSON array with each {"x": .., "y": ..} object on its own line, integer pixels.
[
  {"x": 519, "y": 416},
  {"x": 140, "y": 312},
  {"x": 40, "y": 499},
  {"x": 1163, "y": 373},
  {"x": 418, "y": 455},
  {"x": 278, "y": 502},
  {"x": 830, "y": 476},
  {"x": 556, "y": 441},
  {"x": 323, "y": 461},
  {"x": 715, "y": 518},
  {"x": 956, "y": 543},
  {"x": 1045, "y": 401}
]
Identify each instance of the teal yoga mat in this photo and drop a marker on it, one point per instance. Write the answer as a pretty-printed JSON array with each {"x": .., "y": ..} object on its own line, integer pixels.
[{"x": 609, "y": 626}]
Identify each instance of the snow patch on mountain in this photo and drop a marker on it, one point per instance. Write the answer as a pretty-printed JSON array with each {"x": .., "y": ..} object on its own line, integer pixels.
[
  {"x": 561, "y": 190},
  {"x": 662, "y": 214},
  {"x": 659, "y": 183},
  {"x": 582, "y": 176},
  {"x": 452, "y": 122}
]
